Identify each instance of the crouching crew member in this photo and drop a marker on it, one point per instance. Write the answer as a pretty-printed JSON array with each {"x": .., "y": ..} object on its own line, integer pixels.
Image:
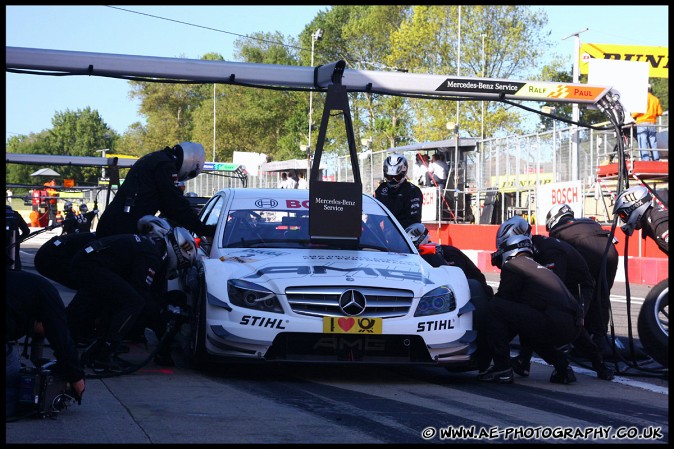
[{"x": 532, "y": 302}]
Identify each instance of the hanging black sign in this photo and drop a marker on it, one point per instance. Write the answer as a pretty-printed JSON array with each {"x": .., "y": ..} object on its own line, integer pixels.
[{"x": 335, "y": 208}]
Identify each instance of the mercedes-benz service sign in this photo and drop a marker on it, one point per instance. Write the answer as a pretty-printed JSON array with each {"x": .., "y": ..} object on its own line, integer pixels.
[{"x": 335, "y": 210}]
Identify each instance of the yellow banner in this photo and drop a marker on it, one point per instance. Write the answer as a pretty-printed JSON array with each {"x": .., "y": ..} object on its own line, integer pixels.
[
  {"x": 512, "y": 183},
  {"x": 657, "y": 57}
]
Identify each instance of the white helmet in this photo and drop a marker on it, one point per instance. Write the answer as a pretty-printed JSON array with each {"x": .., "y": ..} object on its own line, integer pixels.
[
  {"x": 181, "y": 249},
  {"x": 395, "y": 169},
  {"x": 418, "y": 233},
  {"x": 516, "y": 225},
  {"x": 191, "y": 158},
  {"x": 514, "y": 245},
  {"x": 84, "y": 208},
  {"x": 153, "y": 226},
  {"x": 631, "y": 205},
  {"x": 555, "y": 214}
]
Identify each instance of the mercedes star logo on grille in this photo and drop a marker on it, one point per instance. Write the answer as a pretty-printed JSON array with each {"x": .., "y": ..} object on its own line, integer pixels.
[{"x": 352, "y": 302}]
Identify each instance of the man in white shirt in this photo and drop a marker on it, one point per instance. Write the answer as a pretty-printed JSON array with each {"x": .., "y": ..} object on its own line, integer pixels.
[
  {"x": 301, "y": 182},
  {"x": 437, "y": 171},
  {"x": 292, "y": 180},
  {"x": 420, "y": 170}
]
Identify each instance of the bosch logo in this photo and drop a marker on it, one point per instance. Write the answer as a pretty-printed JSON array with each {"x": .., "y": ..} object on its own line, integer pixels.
[
  {"x": 266, "y": 202},
  {"x": 352, "y": 302}
]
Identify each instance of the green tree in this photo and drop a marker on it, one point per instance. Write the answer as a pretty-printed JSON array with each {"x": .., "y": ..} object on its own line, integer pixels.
[
  {"x": 168, "y": 107},
  {"x": 74, "y": 133},
  {"x": 427, "y": 42},
  {"x": 358, "y": 35}
]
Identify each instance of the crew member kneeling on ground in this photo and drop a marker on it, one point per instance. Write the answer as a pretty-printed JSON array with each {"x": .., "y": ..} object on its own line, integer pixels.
[
  {"x": 570, "y": 266},
  {"x": 532, "y": 302},
  {"x": 117, "y": 275},
  {"x": 480, "y": 291}
]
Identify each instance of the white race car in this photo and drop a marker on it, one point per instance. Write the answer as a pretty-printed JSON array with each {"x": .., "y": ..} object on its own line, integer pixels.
[{"x": 263, "y": 290}]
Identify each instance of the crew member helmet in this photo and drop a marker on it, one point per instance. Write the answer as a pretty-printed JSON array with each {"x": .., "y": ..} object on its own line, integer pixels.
[
  {"x": 418, "y": 233},
  {"x": 181, "y": 250},
  {"x": 516, "y": 225},
  {"x": 84, "y": 208},
  {"x": 514, "y": 245},
  {"x": 67, "y": 205},
  {"x": 555, "y": 215},
  {"x": 395, "y": 169},
  {"x": 631, "y": 205},
  {"x": 153, "y": 226},
  {"x": 190, "y": 159}
]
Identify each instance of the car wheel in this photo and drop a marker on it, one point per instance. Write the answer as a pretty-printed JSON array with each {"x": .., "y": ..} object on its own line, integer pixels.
[
  {"x": 196, "y": 343},
  {"x": 653, "y": 323}
]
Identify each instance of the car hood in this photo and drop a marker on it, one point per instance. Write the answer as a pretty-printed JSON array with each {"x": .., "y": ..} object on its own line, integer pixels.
[{"x": 278, "y": 269}]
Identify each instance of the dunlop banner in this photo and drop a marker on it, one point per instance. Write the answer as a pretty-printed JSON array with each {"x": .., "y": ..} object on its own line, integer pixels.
[
  {"x": 657, "y": 57},
  {"x": 513, "y": 183}
]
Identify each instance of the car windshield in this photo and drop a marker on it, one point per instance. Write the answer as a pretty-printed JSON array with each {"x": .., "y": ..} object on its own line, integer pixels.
[{"x": 249, "y": 228}]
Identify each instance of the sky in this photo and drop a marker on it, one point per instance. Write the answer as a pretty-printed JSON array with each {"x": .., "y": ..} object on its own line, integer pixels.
[{"x": 170, "y": 31}]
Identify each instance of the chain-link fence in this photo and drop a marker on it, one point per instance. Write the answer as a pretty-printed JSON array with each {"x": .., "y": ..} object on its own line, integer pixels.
[{"x": 515, "y": 166}]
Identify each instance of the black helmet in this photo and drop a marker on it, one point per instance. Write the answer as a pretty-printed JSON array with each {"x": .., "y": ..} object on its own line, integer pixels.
[
  {"x": 555, "y": 215},
  {"x": 631, "y": 205},
  {"x": 516, "y": 225},
  {"x": 395, "y": 169},
  {"x": 191, "y": 158},
  {"x": 83, "y": 208},
  {"x": 512, "y": 246},
  {"x": 181, "y": 249}
]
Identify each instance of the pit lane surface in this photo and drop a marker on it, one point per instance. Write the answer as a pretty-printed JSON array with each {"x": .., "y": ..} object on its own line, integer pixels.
[{"x": 300, "y": 403}]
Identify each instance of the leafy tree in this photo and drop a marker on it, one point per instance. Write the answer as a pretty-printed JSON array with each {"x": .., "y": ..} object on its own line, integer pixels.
[
  {"x": 427, "y": 42},
  {"x": 74, "y": 133}
]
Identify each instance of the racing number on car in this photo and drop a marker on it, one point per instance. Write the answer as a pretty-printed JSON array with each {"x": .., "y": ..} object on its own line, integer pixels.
[{"x": 350, "y": 325}]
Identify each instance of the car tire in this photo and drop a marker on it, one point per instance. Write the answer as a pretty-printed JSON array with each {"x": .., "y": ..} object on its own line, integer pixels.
[
  {"x": 195, "y": 353},
  {"x": 653, "y": 323}
]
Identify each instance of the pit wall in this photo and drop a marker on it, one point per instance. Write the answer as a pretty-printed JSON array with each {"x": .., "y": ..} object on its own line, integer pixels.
[{"x": 646, "y": 263}]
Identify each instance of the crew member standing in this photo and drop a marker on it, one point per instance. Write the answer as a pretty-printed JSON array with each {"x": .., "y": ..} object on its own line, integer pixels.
[
  {"x": 646, "y": 131},
  {"x": 16, "y": 230},
  {"x": 400, "y": 196},
  {"x": 150, "y": 187}
]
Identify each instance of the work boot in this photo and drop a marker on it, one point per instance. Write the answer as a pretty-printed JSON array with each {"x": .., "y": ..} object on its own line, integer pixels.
[
  {"x": 563, "y": 376},
  {"x": 499, "y": 376},
  {"x": 105, "y": 361},
  {"x": 603, "y": 371},
  {"x": 520, "y": 366}
]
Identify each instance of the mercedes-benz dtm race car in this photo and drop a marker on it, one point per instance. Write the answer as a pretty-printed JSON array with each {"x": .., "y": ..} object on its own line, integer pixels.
[{"x": 263, "y": 290}]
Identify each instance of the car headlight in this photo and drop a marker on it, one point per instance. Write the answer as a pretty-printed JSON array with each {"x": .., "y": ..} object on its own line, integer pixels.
[
  {"x": 252, "y": 296},
  {"x": 437, "y": 301}
]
